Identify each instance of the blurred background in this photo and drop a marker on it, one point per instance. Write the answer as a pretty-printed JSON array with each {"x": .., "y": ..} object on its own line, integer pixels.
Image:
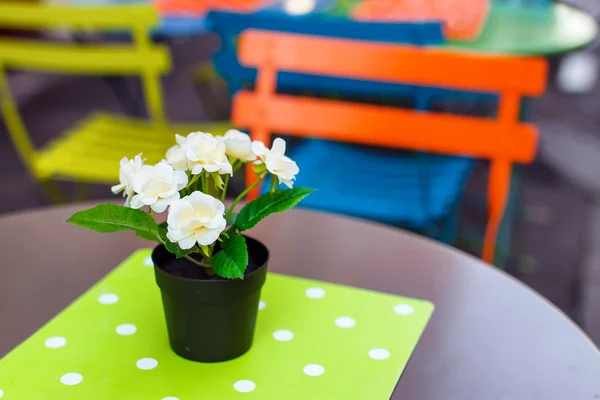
[{"x": 551, "y": 228}]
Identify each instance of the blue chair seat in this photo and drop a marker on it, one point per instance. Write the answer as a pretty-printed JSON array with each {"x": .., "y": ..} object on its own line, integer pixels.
[{"x": 407, "y": 189}]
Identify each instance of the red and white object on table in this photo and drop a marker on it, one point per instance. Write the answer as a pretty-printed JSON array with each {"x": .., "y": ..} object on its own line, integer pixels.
[{"x": 463, "y": 20}]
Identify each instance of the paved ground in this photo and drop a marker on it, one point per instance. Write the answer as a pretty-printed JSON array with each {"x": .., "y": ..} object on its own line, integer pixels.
[{"x": 554, "y": 246}]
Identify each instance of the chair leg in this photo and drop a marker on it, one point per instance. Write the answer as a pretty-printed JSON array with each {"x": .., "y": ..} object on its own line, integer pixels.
[
  {"x": 449, "y": 228},
  {"x": 514, "y": 209},
  {"x": 54, "y": 192}
]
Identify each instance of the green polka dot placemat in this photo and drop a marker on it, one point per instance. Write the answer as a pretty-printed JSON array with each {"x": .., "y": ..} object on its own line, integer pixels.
[{"x": 314, "y": 340}]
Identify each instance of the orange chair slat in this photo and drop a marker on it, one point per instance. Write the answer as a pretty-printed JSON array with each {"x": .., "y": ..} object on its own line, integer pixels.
[
  {"x": 385, "y": 126},
  {"x": 393, "y": 63}
]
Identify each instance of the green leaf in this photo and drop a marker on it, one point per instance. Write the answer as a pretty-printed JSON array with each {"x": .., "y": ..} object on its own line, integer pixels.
[
  {"x": 232, "y": 260},
  {"x": 205, "y": 250},
  {"x": 172, "y": 247},
  {"x": 267, "y": 204},
  {"x": 147, "y": 236},
  {"x": 218, "y": 180},
  {"x": 114, "y": 218}
]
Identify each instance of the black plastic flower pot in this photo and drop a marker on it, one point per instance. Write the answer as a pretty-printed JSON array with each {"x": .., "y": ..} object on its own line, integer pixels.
[{"x": 210, "y": 319}]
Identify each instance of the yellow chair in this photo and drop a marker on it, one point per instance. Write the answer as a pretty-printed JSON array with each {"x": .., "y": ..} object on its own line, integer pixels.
[{"x": 90, "y": 151}]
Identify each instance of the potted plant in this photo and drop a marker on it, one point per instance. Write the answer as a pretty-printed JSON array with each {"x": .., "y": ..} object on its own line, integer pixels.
[{"x": 210, "y": 274}]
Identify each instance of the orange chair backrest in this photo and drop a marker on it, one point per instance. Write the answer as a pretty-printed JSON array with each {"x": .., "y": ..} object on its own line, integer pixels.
[{"x": 503, "y": 140}]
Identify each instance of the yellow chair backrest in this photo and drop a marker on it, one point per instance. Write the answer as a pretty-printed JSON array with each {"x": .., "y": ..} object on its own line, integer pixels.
[{"x": 139, "y": 57}]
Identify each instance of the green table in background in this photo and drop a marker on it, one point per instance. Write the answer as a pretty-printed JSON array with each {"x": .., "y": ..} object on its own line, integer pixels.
[
  {"x": 517, "y": 29},
  {"x": 521, "y": 30}
]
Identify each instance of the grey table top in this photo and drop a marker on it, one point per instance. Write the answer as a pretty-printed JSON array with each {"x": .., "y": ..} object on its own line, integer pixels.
[{"x": 490, "y": 336}]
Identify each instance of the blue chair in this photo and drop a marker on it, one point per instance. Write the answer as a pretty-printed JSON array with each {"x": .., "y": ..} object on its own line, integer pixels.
[{"x": 228, "y": 25}]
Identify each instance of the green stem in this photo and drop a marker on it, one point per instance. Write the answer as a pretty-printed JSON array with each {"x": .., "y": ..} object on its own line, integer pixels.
[
  {"x": 241, "y": 196},
  {"x": 225, "y": 185},
  {"x": 205, "y": 183},
  {"x": 273, "y": 183},
  {"x": 198, "y": 263}
]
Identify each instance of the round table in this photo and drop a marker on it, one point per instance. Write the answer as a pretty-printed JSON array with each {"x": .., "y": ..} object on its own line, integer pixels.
[{"x": 490, "y": 336}]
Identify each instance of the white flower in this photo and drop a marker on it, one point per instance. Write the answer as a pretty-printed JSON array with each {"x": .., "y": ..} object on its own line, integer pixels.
[
  {"x": 207, "y": 153},
  {"x": 127, "y": 171},
  {"x": 157, "y": 186},
  {"x": 176, "y": 155},
  {"x": 276, "y": 161},
  {"x": 197, "y": 218},
  {"x": 238, "y": 145}
]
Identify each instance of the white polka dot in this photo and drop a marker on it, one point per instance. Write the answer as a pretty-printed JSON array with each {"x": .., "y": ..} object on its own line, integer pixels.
[
  {"x": 404, "y": 309},
  {"x": 70, "y": 379},
  {"x": 244, "y": 386},
  {"x": 314, "y": 370},
  {"x": 170, "y": 398},
  {"x": 126, "y": 329},
  {"x": 1, "y": 393},
  {"x": 345, "y": 322},
  {"x": 379, "y": 354},
  {"x": 283, "y": 335},
  {"x": 315, "y": 292},
  {"x": 148, "y": 262},
  {"x": 261, "y": 305},
  {"x": 55, "y": 342},
  {"x": 108, "y": 298},
  {"x": 146, "y": 363}
]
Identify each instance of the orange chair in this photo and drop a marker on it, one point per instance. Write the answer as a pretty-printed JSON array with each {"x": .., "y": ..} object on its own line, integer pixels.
[{"x": 503, "y": 140}]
